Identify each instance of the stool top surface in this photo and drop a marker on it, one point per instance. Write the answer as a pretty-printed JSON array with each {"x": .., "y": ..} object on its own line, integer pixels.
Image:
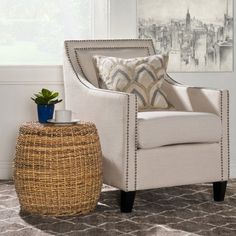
[{"x": 37, "y": 128}]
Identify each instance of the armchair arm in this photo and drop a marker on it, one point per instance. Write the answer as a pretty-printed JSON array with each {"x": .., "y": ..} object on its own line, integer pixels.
[
  {"x": 115, "y": 116},
  {"x": 187, "y": 98}
]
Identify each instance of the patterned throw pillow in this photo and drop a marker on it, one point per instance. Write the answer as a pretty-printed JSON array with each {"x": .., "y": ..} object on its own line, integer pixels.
[{"x": 142, "y": 76}]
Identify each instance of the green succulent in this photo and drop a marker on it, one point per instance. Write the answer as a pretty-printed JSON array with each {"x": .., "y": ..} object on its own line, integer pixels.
[{"x": 46, "y": 97}]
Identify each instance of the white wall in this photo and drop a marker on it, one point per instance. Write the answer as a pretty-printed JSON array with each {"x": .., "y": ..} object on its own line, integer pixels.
[
  {"x": 123, "y": 25},
  {"x": 17, "y": 85}
]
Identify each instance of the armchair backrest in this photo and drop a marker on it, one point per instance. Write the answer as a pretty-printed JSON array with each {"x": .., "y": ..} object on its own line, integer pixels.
[{"x": 80, "y": 53}]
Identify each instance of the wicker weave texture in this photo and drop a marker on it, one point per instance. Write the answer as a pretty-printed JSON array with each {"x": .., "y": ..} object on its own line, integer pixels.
[{"x": 58, "y": 169}]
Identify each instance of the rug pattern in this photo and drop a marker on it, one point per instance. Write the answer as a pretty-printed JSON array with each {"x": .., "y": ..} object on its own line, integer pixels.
[{"x": 178, "y": 211}]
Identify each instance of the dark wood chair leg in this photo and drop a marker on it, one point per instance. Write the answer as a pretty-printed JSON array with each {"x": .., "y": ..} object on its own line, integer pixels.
[
  {"x": 127, "y": 201},
  {"x": 219, "y": 189}
]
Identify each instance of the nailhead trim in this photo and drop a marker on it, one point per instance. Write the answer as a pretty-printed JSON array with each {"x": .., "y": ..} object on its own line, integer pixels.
[
  {"x": 113, "y": 47},
  {"x": 69, "y": 59},
  {"x": 221, "y": 140},
  {"x": 127, "y": 146},
  {"x": 136, "y": 142},
  {"x": 107, "y": 40},
  {"x": 221, "y": 159},
  {"x": 228, "y": 138}
]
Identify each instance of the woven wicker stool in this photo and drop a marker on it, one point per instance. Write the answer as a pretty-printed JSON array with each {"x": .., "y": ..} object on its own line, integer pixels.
[{"x": 58, "y": 168}]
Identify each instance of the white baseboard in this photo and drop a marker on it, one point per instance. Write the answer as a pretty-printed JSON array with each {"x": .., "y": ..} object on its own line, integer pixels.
[
  {"x": 232, "y": 171},
  {"x": 6, "y": 171}
]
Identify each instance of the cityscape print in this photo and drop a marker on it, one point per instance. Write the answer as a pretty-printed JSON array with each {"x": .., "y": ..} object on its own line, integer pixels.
[{"x": 197, "y": 34}]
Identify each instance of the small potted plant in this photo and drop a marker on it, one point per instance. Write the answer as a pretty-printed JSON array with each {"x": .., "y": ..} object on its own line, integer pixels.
[{"x": 45, "y": 101}]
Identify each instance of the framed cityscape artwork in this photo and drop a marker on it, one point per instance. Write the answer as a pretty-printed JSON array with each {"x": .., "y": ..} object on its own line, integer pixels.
[{"x": 197, "y": 34}]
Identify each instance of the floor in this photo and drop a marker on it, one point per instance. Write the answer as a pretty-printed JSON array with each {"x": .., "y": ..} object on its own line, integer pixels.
[{"x": 178, "y": 211}]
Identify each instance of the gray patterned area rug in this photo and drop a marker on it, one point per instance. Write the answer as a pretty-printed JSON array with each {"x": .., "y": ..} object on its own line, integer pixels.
[{"x": 178, "y": 211}]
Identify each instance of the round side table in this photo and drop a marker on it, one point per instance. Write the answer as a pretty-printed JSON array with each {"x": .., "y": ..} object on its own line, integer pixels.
[{"x": 58, "y": 168}]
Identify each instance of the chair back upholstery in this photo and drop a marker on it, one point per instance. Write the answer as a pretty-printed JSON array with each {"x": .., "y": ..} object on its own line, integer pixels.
[{"x": 80, "y": 53}]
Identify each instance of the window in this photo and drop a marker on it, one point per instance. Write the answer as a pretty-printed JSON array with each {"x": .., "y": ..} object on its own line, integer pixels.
[{"x": 32, "y": 32}]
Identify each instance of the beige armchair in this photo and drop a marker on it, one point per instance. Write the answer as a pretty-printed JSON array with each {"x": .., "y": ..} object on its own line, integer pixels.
[{"x": 145, "y": 150}]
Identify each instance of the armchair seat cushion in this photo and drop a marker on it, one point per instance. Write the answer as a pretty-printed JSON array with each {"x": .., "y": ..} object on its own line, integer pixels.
[{"x": 160, "y": 128}]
